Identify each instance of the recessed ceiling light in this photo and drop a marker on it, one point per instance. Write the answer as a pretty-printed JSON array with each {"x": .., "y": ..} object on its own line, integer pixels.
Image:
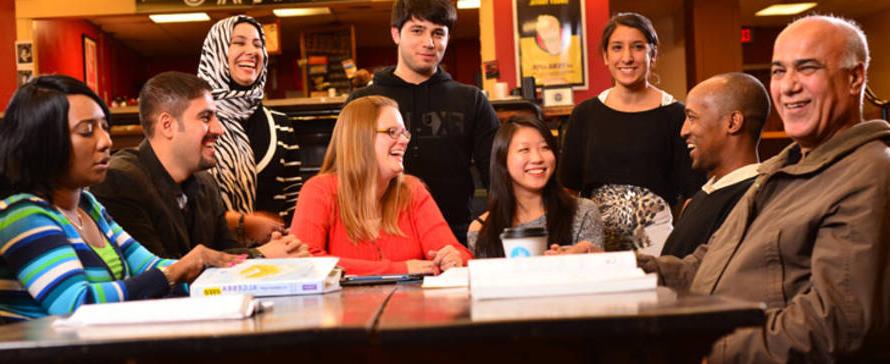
[
  {"x": 283, "y": 13},
  {"x": 468, "y": 4},
  {"x": 179, "y": 18},
  {"x": 785, "y": 9}
]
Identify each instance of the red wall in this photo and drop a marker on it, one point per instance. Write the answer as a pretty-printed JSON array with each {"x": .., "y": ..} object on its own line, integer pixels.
[
  {"x": 7, "y": 52},
  {"x": 59, "y": 44},
  {"x": 287, "y": 76},
  {"x": 596, "y": 16},
  {"x": 119, "y": 69}
]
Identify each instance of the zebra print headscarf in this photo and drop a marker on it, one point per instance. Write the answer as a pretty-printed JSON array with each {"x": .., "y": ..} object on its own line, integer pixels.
[{"x": 235, "y": 170}]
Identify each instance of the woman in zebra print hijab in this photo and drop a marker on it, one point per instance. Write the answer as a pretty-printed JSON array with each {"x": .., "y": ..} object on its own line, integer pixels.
[{"x": 257, "y": 156}]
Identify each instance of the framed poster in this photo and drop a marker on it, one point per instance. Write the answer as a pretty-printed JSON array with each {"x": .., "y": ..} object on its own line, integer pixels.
[
  {"x": 24, "y": 55},
  {"x": 550, "y": 42},
  {"x": 273, "y": 37},
  {"x": 90, "y": 63},
  {"x": 23, "y": 77},
  {"x": 24, "y": 62}
]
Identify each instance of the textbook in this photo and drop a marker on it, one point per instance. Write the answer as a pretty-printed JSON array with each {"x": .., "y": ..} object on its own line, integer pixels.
[
  {"x": 163, "y": 311},
  {"x": 270, "y": 277},
  {"x": 557, "y": 275}
]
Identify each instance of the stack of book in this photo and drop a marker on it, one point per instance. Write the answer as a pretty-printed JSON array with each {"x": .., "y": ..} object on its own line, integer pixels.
[{"x": 557, "y": 275}]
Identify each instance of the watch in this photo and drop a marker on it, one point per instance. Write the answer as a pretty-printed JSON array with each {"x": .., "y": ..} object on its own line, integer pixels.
[
  {"x": 166, "y": 272},
  {"x": 255, "y": 253}
]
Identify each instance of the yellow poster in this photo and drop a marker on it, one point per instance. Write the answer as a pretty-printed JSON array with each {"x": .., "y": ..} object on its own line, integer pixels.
[{"x": 550, "y": 36}]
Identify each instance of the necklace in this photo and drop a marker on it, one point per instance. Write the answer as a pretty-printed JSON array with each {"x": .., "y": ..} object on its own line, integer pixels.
[{"x": 78, "y": 222}]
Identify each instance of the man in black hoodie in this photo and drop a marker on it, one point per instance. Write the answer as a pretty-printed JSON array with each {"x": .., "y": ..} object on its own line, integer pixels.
[{"x": 451, "y": 123}]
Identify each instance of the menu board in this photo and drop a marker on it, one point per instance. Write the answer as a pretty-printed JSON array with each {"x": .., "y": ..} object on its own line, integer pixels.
[{"x": 327, "y": 57}]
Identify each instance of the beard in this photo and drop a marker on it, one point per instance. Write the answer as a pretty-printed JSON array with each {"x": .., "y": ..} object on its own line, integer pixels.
[
  {"x": 206, "y": 163},
  {"x": 418, "y": 67}
]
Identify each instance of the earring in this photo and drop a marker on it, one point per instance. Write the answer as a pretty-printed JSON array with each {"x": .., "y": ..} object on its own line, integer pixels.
[{"x": 657, "y": 78}]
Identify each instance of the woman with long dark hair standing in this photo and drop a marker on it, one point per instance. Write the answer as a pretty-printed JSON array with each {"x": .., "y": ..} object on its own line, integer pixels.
[{"x": 623, "y": 148}]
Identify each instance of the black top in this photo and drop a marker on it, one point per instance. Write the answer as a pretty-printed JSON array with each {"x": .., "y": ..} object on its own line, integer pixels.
[
  {"x": 142, "y": 197},
  {"x": 451, "y": 125},
  {"x": 702, "y": 217},
  {"x": 278, "y": 180},
  {"x": 606, "y": 146}
]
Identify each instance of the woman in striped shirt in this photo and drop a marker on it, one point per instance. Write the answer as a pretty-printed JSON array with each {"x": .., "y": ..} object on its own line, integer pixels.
[
  {"x": 258, "y": 159},
  {"x": 59, "y": 249}
]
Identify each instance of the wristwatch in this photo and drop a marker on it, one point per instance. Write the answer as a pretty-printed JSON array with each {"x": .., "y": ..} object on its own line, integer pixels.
[
  {"x": 166, "y": 272},
  {"x": 254, "y": 253}
]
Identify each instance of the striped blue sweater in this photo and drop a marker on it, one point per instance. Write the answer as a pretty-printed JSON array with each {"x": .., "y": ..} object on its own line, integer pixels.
[{"x": 47, "y": 269}]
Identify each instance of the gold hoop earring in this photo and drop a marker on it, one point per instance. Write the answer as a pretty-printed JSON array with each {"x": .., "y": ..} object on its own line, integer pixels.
[{"x": 657, "y": 78}]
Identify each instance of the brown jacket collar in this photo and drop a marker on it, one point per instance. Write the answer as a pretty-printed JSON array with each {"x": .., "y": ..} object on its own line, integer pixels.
[{"x": 835, "y": 148}]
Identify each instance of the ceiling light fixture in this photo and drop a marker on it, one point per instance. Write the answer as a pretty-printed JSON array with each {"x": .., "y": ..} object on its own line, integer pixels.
[
  {"x": 179, "y": 18},
  {"x": 284, "y": 13},
  {"x": 468, "y": 4},
  {"x": 785, "y": 9}
]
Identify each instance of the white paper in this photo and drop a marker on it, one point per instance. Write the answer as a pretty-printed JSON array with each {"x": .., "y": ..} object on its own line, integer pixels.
[
  {"x": 163, "y": 310},
  {"x": 454, "y": 277},
  {"x": 557, "y": 275}
]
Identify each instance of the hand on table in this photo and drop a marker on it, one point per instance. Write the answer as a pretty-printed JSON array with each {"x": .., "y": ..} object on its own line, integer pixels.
[
  {"x": 284, "y": 246},
  {"x": 417, "y": 266},
  {"x": 582, "y": 247},
  {"x": 192, "y": 264},
  {"x": 446, "y": 258},
  {"x": 259, "y": 226}
]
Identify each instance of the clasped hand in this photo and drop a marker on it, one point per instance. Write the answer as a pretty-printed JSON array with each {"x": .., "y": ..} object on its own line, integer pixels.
[
  {"x": 259, "y": 226},
  {"x": 284, "y": 246},
  {"x": 441, "y": 260}
]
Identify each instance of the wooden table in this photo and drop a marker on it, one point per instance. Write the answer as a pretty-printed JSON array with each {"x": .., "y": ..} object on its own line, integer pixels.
[
  {"x": 335, "y": 326},
  {"x": 644, "y": 327},
  {"x": 405, "y": 323}
]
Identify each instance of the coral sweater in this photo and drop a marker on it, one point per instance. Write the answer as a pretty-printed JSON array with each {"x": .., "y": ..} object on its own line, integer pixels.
[{"x": 317, "y": 223}]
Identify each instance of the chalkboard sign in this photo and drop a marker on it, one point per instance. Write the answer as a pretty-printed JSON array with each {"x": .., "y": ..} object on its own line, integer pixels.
[{"x": 325, "y": 54}]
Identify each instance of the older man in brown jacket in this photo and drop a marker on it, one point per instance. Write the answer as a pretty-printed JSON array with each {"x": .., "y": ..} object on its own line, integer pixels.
[{"x": 811, "y": 237}]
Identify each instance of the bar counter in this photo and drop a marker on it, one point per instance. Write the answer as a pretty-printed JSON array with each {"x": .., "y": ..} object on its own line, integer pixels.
[{"x": 404, "y": 323}]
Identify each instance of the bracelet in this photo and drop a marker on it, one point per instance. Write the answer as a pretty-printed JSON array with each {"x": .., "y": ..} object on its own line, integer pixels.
[
  {"x": 166, "y": 272},
  {"x": 254, "y": 253}
]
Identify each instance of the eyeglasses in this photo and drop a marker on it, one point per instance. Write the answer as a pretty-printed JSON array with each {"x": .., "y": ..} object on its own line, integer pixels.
[{"x": 395, "y": 132}]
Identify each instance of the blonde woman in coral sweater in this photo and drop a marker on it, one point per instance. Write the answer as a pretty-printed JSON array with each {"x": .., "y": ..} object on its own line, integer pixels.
[{"x": 363, "y": 209}]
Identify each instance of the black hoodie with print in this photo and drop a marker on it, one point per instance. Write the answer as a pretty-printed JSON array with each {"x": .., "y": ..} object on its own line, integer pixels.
[{"x": 451, "y": 124}]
